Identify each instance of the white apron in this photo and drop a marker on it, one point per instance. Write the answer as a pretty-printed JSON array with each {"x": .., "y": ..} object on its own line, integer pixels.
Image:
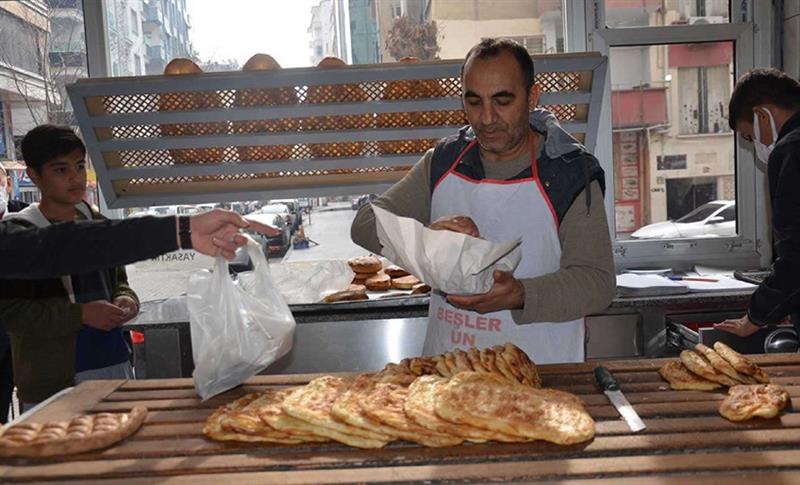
[{"x": 503, "y": 210}]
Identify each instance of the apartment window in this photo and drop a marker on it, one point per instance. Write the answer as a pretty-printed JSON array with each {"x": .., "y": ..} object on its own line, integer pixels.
[
  {"x": 397, "y": 9},
  {"x": 137, "y": 65},
  {"x": 534, "y": 44},
  {"x": 703, "y": 96},
  {"x": 134, "y": 23},
  {"x": 672, "y": 68}
]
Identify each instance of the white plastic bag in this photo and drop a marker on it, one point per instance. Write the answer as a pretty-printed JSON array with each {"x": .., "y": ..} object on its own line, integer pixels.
[{"x": 236, "y": 332}]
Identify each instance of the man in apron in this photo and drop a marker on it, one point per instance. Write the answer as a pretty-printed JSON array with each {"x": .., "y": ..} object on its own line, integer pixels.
[{"x": 511, "y": 174}]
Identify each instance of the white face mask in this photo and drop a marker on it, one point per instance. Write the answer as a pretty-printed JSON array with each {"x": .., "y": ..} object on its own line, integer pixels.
[
  {"x": 3, "y": 201},
  {"x": 762, "y": 150}
]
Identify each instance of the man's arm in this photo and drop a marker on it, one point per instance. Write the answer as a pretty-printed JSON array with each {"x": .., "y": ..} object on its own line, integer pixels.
[
  {"x": 780, "y": 291},
  {"x": 586, "y": 281},
  {"x": 410, "y": 197},
  {"x": 79, "y": 247}
]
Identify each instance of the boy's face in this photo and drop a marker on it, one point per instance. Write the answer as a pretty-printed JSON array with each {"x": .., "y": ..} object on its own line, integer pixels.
[{"x": 62, "y": 179}]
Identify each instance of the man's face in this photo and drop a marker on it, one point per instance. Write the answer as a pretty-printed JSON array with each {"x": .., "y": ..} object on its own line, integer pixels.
[
  {"x": 746, "y": 130},
  {"x": 62, "y": 179},
  {"x": 496, "y": 102}
]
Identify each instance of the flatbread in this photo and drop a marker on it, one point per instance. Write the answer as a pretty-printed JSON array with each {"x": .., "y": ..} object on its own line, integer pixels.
[
  {"x": 681, "y": 379},
  {"x": 80, "y": 434},
  {"x": 441, "y": 366},
  {"x": 490, "y": 402},
  {"x": 463, "y": 363},
  {"x": 386, "y": 403},
  {"x": 395, "y": 271},
  {"x": 312, "y": 404},
  {"x": 758, "y": 400},
  {"x": 420, "y": 406},
  {"x": 722, "y": 365},
  {"x": 271, "y": 412},
  {"x": 741, "y": 363},
  {"x": 450, "y": 362},
  {"x": 516, "y": 358},
  {"x": 700, "y": 366},
  {"x": 405, "y": 282},
  {"x": 422, "y": 366},
  {"x": 379, "y": 282},
  {"x": 347, "y": 408},
  {"x": 348, "y": 295},
  {"x": 475, "y": 359}
]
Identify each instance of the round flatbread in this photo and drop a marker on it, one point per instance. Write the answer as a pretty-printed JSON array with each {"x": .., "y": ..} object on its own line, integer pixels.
[
  {"x": 365, "y": 264},
  {"x": 405, "y": 282},
  {"x": 379, "y": 282},
  {"x": 396, "y": 271}
]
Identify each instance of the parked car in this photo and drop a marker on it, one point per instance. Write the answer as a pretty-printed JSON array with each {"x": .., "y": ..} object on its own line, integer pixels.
[
  {"x": 363, "y": 200},
  {"x": 275, "y": 215},
  {"x": 712, "y": 219},
  {"x": 296, "y": 214}
]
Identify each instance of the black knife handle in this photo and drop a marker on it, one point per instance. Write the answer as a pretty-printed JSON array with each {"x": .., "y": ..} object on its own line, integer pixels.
[{"x": 605, "y": 379}]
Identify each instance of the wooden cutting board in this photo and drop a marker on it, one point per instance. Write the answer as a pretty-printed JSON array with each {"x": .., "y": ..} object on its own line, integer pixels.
[{"x": 686, "y": 441}]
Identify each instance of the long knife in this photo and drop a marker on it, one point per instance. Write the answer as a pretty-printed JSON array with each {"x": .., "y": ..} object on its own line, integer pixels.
[{"x": 611, "y": 390}]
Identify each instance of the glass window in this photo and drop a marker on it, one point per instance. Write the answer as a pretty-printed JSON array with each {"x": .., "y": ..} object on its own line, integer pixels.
[
  {"x": 300, "y": 34},
  {"x": 643, "y": 13},
  {"x": 134, "y": 22},
  {"x": 42, "y": 49},
  {"x": 673, "y": 149}
]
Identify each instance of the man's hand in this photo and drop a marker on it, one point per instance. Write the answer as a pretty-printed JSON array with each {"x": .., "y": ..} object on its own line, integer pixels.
[
  {"x": 217, "y": 232},
  {"x": 742, "y": 327},
  {"x": 102, "y": 315},
  {"x": 461, "y": 224},
  {"x": 129, "y": 305},
  {"x": 507, "y": 293}
]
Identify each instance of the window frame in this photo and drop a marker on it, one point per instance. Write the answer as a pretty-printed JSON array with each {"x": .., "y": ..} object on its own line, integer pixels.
[{"x": 751, "y": 246}]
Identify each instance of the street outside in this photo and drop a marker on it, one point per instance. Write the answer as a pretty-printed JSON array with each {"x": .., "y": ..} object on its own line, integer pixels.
[{"x": 168, "y": 275}]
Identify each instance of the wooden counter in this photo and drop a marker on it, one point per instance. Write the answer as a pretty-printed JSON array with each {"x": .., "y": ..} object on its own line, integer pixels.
[{"x": 686, "y": 441}]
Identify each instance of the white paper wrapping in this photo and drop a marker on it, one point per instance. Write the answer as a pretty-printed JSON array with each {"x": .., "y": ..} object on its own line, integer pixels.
[{"x": 448, "y": 261}]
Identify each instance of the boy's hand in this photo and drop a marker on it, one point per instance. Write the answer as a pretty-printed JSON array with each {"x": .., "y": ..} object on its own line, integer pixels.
[
  {"x": 129, "y": 305},
  {"x": 102, "y": 315}
]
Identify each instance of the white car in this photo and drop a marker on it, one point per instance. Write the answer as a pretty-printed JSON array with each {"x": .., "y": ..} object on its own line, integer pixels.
[{"x": 712, "y": 219}]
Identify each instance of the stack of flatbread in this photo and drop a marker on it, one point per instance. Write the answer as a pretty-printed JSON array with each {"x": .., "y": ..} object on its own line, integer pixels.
[
  {"x": 411, "y": 401},
  {"x": 705, "y": 369}
]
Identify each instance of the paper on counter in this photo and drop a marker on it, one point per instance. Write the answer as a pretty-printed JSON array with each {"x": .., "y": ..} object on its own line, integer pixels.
[
  {"x": 448, "y": 261},
  {"x": 304, "y": 282}
]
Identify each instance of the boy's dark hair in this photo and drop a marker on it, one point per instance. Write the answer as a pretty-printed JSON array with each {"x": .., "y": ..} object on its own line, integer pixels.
[
  {"x": 492, "y": 47},
  {"x": 47, "y": 142},
  {"x": 762, "y": 86}
]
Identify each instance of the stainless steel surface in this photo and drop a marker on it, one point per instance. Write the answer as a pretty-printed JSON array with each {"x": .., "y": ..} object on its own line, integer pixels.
[
  {"x": 613, "y": 336},
  {"x": 354, "y": 346},
  {"x": 162, "y": 353},
  {"x": 625, "y": 410}
]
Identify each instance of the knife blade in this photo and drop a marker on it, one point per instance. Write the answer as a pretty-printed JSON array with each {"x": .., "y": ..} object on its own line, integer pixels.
[{"x": 611, "y": 390}]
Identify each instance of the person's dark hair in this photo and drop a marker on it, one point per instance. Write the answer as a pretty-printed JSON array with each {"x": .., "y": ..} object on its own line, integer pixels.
[
  {"x": 47, "y": 142},
  {"x": 492, "y": 47},
  {"x": 762, "y": 86}
]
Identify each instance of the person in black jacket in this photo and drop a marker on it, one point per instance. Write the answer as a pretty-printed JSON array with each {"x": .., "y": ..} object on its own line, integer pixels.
[
  {"x": 6, "y": 367},
  {"x": 765, "y": 110}
]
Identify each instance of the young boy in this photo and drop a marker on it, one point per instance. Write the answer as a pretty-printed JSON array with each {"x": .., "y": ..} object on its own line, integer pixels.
[{"x": 66, "y": 330}]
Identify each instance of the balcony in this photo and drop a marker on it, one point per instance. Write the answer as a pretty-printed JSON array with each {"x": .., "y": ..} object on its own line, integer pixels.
[
  {"x": 153, "y": 13},
  {"x": 155, "y": 52}
]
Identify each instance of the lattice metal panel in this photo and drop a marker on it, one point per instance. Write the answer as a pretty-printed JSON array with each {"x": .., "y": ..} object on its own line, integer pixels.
[{"x": 358, "y": 125}]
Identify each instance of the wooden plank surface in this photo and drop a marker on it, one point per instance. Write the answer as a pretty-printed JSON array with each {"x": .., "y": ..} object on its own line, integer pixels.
[{"x": 686, "y": 440}]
